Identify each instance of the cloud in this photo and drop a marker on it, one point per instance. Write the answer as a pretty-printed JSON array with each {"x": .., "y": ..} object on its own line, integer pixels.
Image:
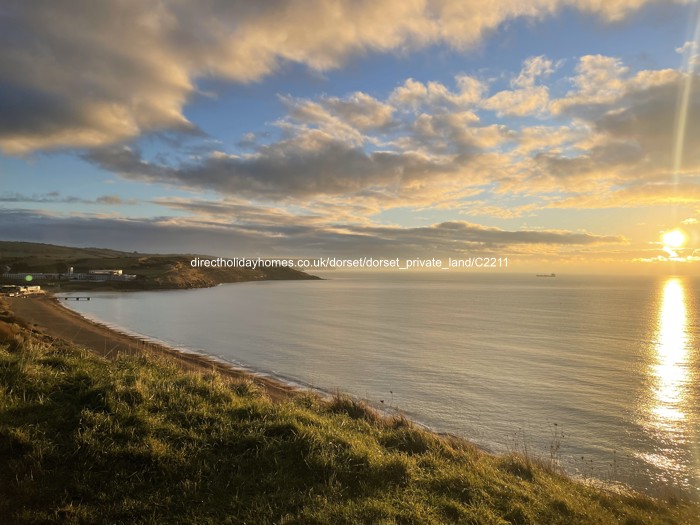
[
  {"x": 531, "y": 140},
  {"x": 688, "y": 49},
  {"x": 361, "y": 111},
  {"x": 415, "y": 95},
  {"x": 649, "y": 118},
  {"x": 635, "y": 195},
  {"x": 519, "y": 103},
  {"x": 620, "y": 137},
  {"x": 231, "y": 212},
  {"x": 280, "y": 238},
  {"x": 527, "y": 98},
  {"x": 474, "y": 234},
  {"x": 533, "y": 68},
  {"x": 309, "y": 165},
  {"x": 55, "y": 197},
  {"x": 613, "y": 10},
  {"x": 355, "y": 119},
  {"x": 602, "y": 81},
  {"x": 368, "y": 154},
  {"x": 85, "y": 74}
]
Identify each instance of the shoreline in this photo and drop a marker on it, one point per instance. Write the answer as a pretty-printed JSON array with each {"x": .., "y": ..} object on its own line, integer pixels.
[
  {"x": 51, "y": 317},
  {"x": 56, "y": 320},
  {"x": 89, "y": 440},
  {"x": 48, "y": 314}
]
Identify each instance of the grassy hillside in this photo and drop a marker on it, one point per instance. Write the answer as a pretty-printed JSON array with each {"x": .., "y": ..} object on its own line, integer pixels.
[
  {"x": 137, "y": 440},
  {"x": 152, "y": 271}
]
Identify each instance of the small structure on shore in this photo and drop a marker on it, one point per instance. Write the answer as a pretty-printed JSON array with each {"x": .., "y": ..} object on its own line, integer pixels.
[
  {"x": 9, "y": 290},
  {"x": 111, "y": 273},
  {"x": 12, "y": 290}
]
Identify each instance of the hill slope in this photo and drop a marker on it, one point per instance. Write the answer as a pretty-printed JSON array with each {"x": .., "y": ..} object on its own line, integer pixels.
[{"x": 153, "y": 271}]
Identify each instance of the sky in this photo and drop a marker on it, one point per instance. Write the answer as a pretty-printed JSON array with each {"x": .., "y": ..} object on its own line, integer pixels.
[{"x": 561, "y": 134}]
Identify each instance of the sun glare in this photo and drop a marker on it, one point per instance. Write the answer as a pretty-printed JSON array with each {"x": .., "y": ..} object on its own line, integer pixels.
[
  {"x": 674, "y": 239},
  {"x": 669, "y": 368}
]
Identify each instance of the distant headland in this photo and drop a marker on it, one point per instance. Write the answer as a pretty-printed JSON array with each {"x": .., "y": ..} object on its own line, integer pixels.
[{"x": 64, "y": 268}]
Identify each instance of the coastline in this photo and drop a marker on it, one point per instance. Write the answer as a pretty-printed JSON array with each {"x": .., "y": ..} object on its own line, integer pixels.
[
  {"x": 49, "y": 316},
  {"x": 88, "y": 440}
]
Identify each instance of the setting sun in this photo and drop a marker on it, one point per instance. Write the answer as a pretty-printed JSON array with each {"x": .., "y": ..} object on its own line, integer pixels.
[{"x": 674, "y": 239}]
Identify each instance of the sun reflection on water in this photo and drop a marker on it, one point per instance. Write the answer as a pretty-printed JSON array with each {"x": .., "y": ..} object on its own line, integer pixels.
[{"x": 670, "y": 371}]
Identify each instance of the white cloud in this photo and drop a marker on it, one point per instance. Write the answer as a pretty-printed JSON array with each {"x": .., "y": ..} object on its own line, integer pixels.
[
  {"x": 689, "y": 48},
  {"x": 361, "y": 111},
  {"x": 599, "y": 80},
  {"x": 530, "y": 101},
  {"x": 527, "y": 98},
  {"x": 533, "y": 68},
  {"x": 80, "y": 73},
  {"x": 415, "y": 95},
  {"x": 427, "y": 144}
]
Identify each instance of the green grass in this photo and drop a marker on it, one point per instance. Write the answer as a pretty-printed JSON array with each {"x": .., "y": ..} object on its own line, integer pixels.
[{"x": 137, "y": 440}]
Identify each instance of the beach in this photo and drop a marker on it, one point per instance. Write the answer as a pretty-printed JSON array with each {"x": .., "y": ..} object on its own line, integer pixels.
[{"x": 47, "y": 315}]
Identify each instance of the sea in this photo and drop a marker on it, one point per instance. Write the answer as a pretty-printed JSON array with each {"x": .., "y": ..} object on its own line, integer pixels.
[{"x": 599, "y": 376}]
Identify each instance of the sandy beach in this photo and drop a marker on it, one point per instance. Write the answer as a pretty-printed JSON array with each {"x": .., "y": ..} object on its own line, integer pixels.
[{"x": 47, "y": 315}]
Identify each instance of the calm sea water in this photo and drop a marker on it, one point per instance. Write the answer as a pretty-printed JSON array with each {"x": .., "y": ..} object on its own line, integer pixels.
[{"x": 507, "y": 361}]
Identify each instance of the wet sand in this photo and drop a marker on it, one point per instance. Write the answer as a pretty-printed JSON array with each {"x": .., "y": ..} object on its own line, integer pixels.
[{"x": 47, "y": 315}]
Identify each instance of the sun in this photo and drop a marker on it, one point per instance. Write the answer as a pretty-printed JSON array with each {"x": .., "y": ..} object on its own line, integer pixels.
[{"x": 674, "y": 239}]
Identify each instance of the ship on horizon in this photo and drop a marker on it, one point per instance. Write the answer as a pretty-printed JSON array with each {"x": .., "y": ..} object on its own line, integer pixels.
[{"x": 546, "y": 275}]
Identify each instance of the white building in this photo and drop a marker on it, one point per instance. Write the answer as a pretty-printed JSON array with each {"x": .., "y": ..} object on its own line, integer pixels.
[{"x": 113, "y": 273}]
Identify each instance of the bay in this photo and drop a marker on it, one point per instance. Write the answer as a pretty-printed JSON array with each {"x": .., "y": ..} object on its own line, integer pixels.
[{"x": 598, "y": 374}]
